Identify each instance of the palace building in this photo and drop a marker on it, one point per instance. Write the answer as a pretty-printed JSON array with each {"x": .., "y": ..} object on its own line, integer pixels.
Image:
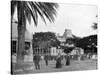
[{"x": 66, "y": 35}]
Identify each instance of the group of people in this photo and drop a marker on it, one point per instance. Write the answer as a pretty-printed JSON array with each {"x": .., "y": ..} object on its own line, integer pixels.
[
  {"x": 37, "y": 59},
  {"x": 58, "y": 60}
]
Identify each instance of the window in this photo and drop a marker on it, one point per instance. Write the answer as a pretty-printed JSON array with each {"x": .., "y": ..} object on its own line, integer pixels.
[
  {"x": 27, "y": 45},
  {"x": 13, "y": 46}
]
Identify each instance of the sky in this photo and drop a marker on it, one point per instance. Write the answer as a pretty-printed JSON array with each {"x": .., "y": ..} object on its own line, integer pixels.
[{"x": 79, "y": 18}]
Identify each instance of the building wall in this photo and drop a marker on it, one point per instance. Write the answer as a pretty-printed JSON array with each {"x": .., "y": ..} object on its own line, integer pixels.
[
  {"x": 28, "y": 38},
  {"x": 14, "y": 33},
  {"x": 55, "y": 51},
  {"x": 77, "y": 51}
]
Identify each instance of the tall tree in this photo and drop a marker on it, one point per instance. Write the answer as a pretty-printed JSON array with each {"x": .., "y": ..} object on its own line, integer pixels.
[
  {"x": 45, "y": 37},
  {"x": 89, "y": 43},
  {"x": 27, "y": 10},
  {"x": 95, "y": 24}
]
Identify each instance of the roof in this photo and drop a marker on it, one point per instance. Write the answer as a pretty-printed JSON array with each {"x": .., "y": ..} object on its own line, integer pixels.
[{"x": 61, "y": 39}]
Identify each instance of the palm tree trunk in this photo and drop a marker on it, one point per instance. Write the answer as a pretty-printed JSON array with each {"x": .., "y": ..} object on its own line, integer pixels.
[
  {"x": 21, "y": 34},
  {"x": 21, "y": 44},
  {"x": 20, "y": 50}
]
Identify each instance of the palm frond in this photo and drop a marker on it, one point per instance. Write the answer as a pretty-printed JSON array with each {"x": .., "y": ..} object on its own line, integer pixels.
[
  {"x": 35, "y": 9},
  {"x": 35, "y": 13},
  {"x": 47, "y": 10},
  {"x": 31, "y": 13}
]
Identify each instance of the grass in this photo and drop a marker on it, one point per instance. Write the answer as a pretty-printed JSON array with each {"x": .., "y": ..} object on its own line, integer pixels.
[{"x": 75, "y": 65}]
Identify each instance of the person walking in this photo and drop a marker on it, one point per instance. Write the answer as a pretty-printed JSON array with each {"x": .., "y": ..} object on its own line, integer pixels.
[
  {"x": 46, "y": 59},
  {"x": 36, "y": 60},
  {"x": 67, "y": 57},
  {"x": 58, "y": 61}
]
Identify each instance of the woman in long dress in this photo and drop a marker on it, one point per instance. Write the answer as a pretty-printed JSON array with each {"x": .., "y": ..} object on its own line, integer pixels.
[{"x": 58, "y": 61}]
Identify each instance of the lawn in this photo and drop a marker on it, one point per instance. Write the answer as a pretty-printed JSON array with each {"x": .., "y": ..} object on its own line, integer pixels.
[{"x": 75, "y": 65}]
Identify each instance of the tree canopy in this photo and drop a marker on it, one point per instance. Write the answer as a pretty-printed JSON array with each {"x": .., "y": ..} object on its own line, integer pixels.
[
  {"x": 46, "y": 38},
  {"x": 88, "y": 43}
]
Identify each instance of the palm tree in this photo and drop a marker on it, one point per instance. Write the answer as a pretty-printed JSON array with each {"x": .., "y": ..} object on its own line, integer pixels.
[
  {"x": 27, "y": 10},
  {"x": 95, "y": 24}
]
